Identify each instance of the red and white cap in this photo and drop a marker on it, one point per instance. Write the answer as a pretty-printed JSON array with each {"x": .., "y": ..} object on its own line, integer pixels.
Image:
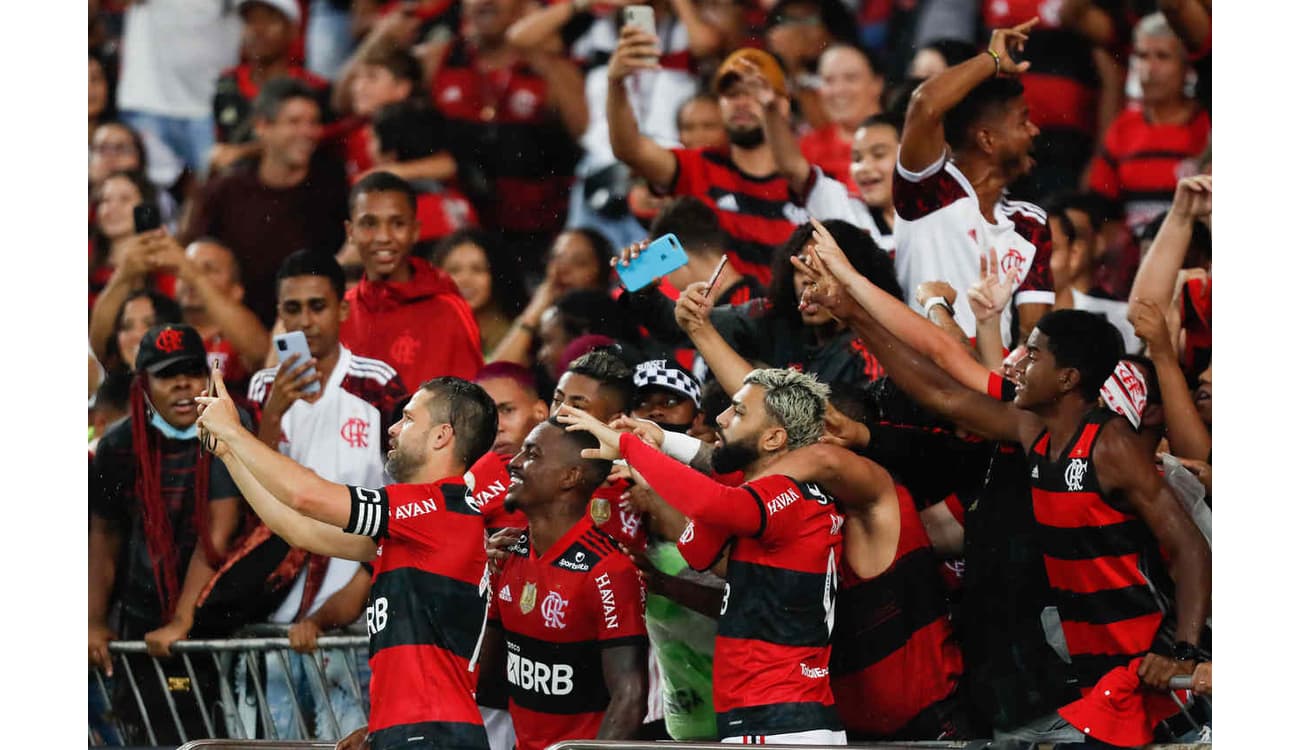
[{"x": 289, "y": 8}]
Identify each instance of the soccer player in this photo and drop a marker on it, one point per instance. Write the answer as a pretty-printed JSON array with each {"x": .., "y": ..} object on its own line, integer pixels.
[
  {"x": 569, "y": 607},
  {"x": 1117, "y": 545},
  {"x": 951, "y": 205},
  {"x": 428, "y": 602},
  {"x": 519, "y": 409},
  {"x": 771, "y": 671}
]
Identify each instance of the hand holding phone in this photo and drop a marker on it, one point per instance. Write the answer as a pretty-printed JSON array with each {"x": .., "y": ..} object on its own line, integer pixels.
[
  {"x": 295, "y": 342},
  {"x": 658, "y": 259},
  {"x": 146, "y": 217},
  {"x": 640, "y": 16}
]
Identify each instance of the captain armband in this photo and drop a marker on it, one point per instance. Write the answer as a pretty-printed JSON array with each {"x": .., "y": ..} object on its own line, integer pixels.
[{"x": 369, "y": 516}]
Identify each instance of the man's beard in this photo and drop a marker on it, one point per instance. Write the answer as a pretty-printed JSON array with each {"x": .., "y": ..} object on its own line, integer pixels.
[
  {"x": 748, "y": 138},
  {"x": 730, "y": 457},
  {"x": 401, "y": 467}
]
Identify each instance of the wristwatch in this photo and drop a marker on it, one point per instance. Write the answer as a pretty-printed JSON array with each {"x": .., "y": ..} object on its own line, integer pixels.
[
  {"x": 1184, "y": 651},
  {"x": 936, "y": 301}
]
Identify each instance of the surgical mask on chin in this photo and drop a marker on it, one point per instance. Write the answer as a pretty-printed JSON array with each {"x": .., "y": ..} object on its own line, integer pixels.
[
  {"x": 174, "y": 433},
  {"x": 682, "y": 428}
]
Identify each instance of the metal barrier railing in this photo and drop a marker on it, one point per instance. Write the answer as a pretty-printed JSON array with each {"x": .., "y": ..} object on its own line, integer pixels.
[
  {"x": 218, "y": 697},
  {"x": 966, "y": 745}
]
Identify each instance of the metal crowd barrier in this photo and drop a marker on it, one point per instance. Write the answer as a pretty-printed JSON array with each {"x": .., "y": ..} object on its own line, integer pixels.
[
  {"x": 224, "y": 653},
  {"x": 966, "y": 745}
]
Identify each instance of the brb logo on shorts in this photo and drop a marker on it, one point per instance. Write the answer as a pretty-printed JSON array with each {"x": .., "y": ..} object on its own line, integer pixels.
[
  {"x": 1074, "y": 474},
  {"x": 553, "y": 610},
  {"x": 356, "y": 432}
]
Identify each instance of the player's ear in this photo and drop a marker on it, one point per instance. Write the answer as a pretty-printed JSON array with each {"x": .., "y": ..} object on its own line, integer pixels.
[
  {"x": 1069, "y": 379},
  {"x": 541, "y": 410},
  {"x": 773, "y": 439}
]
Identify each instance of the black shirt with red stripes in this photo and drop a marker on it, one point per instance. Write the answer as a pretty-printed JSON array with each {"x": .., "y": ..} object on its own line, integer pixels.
[
  {"x": 1107, "y": 577},
  {"x": 515, "y": 160},
  {"x": 426, "y": 612},
  {"x": 757, "y": 212},
  {"x": 558, "y": 611}
]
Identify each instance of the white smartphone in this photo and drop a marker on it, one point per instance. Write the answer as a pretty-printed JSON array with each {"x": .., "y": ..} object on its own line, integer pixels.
[
  {"x": 295, "y": 342},
  {"x": 642, "y": 16}
]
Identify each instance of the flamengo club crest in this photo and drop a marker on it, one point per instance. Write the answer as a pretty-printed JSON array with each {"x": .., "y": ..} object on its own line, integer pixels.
[
  {"x": 600, "y": 511},
  {"x": 356, "y": 432},
  {"x": 1074, "y": 474},
  {"x": 528, "y": 599},
  {"x": 553, "y": 610}
]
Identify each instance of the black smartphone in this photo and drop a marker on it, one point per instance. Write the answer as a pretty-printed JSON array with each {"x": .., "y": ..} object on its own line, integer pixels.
[{"x": 146, "y": 218}]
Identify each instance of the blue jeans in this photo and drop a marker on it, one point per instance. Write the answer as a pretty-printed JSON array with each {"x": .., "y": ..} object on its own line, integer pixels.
[
  {"x": 329, "y": 38},
  {"x": 189, "y": 139},
  {"x": 348, "y": 706}
]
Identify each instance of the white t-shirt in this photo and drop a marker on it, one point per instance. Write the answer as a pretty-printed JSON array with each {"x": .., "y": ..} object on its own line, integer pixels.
[
  {"x": 1116, "y": 312},
  {"x": 655, "y": 95},
  {"x": 940, "y": 235},
  {"x": 172, "y": 53},
  {"x": 341, "y": 437},
  {"x": 828, "y": 199}
]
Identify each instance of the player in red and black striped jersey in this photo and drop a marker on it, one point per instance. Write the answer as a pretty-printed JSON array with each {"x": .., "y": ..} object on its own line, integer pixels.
[
  {"x": 568, "y": 620},
  {"x": 428, "y": 603},
  {"x": 1069, "y": 356},
  {"x": 772, "y": 652},
  {"x": 741, "y": 184}
]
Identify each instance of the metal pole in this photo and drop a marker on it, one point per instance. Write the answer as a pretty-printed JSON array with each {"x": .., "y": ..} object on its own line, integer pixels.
[
  {"x": 116, "y": 722},
  {"x": 171, "y": 704},
  {"x": 324, "y": 694},
  {"x": 198, "y": 695},
  {"x": 228, "y": 694},
  {"x": 139, "y": 701},
  {"x": 262, "y": 706},
  {"x": 293, "y": 693}
]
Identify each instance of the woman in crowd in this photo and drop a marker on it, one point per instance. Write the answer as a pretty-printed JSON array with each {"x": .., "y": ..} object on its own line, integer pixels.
[{"x": 487, "y": 280}]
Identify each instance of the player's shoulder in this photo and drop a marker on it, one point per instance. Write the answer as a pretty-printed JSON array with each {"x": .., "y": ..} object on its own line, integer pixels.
[{"x": 593, "y": 549}]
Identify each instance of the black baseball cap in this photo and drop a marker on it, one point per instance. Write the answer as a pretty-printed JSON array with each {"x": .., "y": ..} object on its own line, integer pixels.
[{"x": 169, "y": 344}]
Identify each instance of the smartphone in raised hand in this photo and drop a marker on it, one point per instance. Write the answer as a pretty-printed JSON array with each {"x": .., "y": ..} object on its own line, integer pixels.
[
  {"x": 641, "y": 16},
  {"x": 295, "y": 342}
]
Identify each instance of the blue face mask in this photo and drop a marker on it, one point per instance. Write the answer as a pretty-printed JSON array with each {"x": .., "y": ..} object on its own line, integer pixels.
[{"x": 189, "y": 433}]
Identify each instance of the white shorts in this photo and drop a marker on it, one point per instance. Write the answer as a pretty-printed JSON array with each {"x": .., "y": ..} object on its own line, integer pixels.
[{"x": 811, "y": 737}]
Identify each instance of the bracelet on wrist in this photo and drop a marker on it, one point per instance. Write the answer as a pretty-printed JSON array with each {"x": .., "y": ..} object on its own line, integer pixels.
[
  {"x": 997, "y": 62},
  {"x": 934, "y": 302}
]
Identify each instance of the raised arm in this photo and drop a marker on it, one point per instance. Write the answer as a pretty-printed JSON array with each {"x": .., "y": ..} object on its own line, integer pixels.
[
  {"x": 1124, "y": 467},
  {"x": 1188, "y": 435},
  {"x": 1190, "y": 20},
  {"x": 565, "y": 90},
  {"x": 790, "y": 161},
  {"x": 923, "y": 138},
  {"x": 539, "y": 26},
  {"x": 287, "y": 481},
  {"x": 637, "y": 50},
  {"x": 397, "y": 29},
  {"x": 694, "y": 316},
  {"x": 126, "y": 278},
  {"x": 703, "y": 39},
  {"x": 1158, "y": 272}
]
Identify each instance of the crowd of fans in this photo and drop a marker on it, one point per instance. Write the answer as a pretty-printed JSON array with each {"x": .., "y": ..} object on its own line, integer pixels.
[{"x": 936, "y": 374}]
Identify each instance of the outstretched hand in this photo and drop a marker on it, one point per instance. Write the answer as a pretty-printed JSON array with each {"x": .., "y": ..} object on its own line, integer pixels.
[
  {"x": 218, "y": 416},
  {"x": 692, "y": 309},
  {"x": 1005, "y": 41},
  {"x": 642, "y": 428},
  {"x": 576, "y": 419},
  {"x": 990, "y": 295},
  {"x": 825, "y": 290}
]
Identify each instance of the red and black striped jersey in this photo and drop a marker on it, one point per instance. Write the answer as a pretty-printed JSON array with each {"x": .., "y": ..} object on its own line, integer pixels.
[
  {"x": 488, "y": 483},
  {"x": 516, "y": 159},
  {"x": 558, "y": 610},
  {"x": 1103, "y": 565},
  {"x": 1140, "y": 163},
  {"x": 894, "y": 652},
  {"x": 426, "y": 612},
  {"x": 772, "y": 652},
  {"x": 757, "y": 212}
]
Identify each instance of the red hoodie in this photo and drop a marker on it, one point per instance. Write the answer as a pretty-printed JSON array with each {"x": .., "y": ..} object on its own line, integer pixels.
[{"x": 422, "y": 327}]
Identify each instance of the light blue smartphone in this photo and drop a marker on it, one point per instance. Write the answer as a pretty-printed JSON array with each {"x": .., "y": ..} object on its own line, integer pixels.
[
  {"x": 295, "y": 342},
  {"x": 661, "y": 257}
]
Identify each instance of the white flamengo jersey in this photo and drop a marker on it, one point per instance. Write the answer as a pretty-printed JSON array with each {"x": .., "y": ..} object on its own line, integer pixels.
[
  {"x": 940, "y": 235},
  {"x": 829, "y": 199},
  {"x": 342, "y": 437}
]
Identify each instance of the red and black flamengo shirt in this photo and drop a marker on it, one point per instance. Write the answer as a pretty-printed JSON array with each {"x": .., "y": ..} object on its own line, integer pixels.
[
  {"x": 1140, "y": 163},
  {"x": 772, "y": 652},
  {"x": 488, "y": 491},
  {"x": 232, "y": 104},
  {"x": 615, "y": 516},
  {"x": 426, "y": 613},
  {"x": 894, "y": 653},
  {"x": 558, "y": 611},
  {"x": 1196, "y": 324},
  {"x": 1103, "y": 566},
  {"x": 757, "y": 212},
  {"x": 514, "y": 157}
]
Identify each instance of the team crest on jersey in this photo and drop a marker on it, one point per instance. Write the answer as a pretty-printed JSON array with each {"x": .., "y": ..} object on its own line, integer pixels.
[
  {"x": 600, "y": 511},
  {"x": 1011, "y": 264},
  {"x": 528, "y": 599},
  {"x": 1074, "y": 474},
  {"x": 553, "y": 610},
  {"x": 356, "y": 432}
]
